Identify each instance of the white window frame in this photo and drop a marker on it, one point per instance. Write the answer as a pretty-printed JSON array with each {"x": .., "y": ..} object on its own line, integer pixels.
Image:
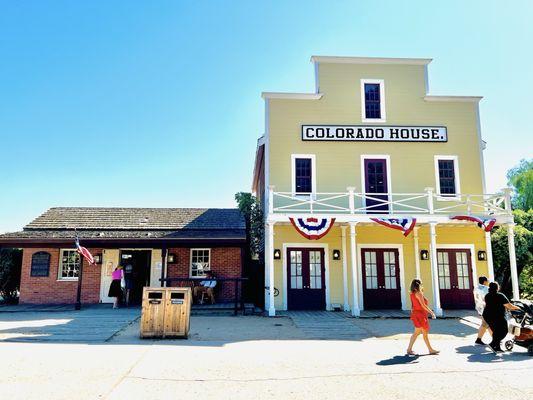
[
  {"x": 60, "y": 269},
  {"x": 190, "y": 261},
  {"x": 312, "y": 157},
  {"x": 381, "y": 83},
  {"x": 457, "y": 179},
  {"x": 385, "y": 157}
]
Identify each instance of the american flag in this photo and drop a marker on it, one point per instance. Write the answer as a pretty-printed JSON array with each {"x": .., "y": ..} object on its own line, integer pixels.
[{"x": 84, "y": 252}]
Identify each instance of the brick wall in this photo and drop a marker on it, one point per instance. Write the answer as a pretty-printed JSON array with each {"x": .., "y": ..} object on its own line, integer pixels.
[
  {"x": 50, "y": 290},
  {"x": 225, "y": 263}
]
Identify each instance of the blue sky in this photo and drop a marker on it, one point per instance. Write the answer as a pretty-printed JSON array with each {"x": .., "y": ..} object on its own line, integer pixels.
[{"x": 157, "y": 104}]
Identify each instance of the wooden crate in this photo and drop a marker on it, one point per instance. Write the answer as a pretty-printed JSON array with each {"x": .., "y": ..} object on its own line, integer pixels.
[{"x": 165, "y": 312}]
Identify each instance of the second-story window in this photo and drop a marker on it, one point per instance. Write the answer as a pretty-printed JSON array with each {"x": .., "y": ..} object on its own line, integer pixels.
[
  {"x": 447, "y": 176},
  {"x": 373, "y": 100},
  {"x": 303, "y": 174}
]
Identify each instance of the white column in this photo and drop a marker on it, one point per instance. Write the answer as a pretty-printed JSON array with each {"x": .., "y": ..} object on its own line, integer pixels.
[
  {"x": 434, "y": 269},
  {"x": 345, "y": 269},
  {"x": 353, "y": 256},
  {"x": 512, "y": 261},
  {"x": 269, "y": 261},
  {"x": 488, "y": 249},
  {"x": 417, "y": 256}
]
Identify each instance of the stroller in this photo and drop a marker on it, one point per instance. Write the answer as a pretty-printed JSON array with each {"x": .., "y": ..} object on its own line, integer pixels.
[{"x": 523, "y": 329}]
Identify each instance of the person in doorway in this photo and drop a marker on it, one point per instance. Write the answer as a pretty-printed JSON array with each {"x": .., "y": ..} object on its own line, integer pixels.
[
  {"x": 419, "y": 316},
  {"x": 128, "y": 278},
  {"x": 496, "y": 303},
  {"x": 206, "y": 286},
  {"x": 480, "y": 291},
  {"x": 115, "y": 289}
]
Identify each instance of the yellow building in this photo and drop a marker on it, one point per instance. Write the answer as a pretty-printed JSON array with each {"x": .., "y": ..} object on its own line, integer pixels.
[{"x": 372, "y": 143}]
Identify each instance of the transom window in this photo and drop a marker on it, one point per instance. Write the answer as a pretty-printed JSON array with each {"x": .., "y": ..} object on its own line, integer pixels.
[
  {"x": 69, "y": 264},
  {"x": 200, "y": 262},
  {"x": 373, "y": 100},
  {"x": 447, "y": 176}
]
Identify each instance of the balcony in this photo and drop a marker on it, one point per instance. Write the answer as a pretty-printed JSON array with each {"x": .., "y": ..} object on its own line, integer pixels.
[{"x": 352, "y": 205}]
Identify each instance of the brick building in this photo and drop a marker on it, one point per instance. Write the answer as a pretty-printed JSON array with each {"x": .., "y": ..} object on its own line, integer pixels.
[{"x": 156, "y": 243}]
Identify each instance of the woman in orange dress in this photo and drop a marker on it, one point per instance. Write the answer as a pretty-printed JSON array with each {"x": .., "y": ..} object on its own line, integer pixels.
[{"x": 419, "y": 316}]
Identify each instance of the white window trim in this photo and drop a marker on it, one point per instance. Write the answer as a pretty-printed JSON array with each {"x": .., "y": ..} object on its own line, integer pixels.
[
  {"x": 381, "y": 83},
  {"x": 385, "y": 157},
  {"x": 455, "y": 159},
  {"x": 190, "y": 261},
  {"x": 60, "y": 268},
  {"x": 312, "y": 157}
]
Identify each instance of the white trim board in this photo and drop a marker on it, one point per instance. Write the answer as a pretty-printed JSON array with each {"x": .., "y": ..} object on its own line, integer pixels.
[
  {"x": 385, "y": 157},
  {"x": 326, "y": 269},
  {"x": 399, "y": 247},
  {"x": 381, "y": 83}
]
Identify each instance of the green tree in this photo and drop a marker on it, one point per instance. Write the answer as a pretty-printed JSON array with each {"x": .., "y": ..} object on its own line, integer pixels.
[
  {"x": 521, "y": 179},
  {"x": 10, "y": 266},
  {"x": 253, "y": 215}
]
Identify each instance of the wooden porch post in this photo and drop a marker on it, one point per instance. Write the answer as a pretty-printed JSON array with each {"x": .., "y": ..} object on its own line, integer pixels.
[
  {"x": 345, "y": 269},
  {"x": 163, "y": 266},
  {"x": 269, "y": 261},
  {"x": 434, "y": 268},
  {"x": 353, "y": 257},
  {"x": 512, "y": 261}
]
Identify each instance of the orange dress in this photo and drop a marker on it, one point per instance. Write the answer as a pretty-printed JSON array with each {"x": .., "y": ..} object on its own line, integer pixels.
[{"x": 419, "y": 315}]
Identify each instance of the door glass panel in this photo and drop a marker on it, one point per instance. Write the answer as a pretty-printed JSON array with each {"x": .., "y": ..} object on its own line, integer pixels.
[
  {"x": 389, "y": 261},
  {"x": 315, "y": 270},
  {"x": 296, "y": 269},
  {"x": 371, "y": 270},
  {"x": 463, "y": 273},
  {"x": 443, "y": 266}
]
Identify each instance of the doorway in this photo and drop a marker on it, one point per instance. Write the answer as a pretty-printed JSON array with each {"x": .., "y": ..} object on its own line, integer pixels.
[
  {"x": 455, "y": 278},
  {"x": 136, "y": 264},
  {"x": 306, "y": 283},
  {"x": 376, "y": 185},
  {"x": 381, "y": 279}
]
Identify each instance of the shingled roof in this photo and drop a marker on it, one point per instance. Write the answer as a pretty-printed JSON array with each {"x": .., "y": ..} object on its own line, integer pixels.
[{"x": 96, "y": 223}]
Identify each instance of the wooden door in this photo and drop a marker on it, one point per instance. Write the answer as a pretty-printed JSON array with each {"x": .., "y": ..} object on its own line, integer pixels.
[
  {"x": 455, "y": 279},
  {"x": 306, "y": 281},
  {"x": 109, "y": 263},
  {"x": 376, "y": 182},
  {"x": 381, "y": 279}
]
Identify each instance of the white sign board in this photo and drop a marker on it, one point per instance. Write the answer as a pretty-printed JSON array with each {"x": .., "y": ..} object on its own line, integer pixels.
[{"x": 365, "y": 133}]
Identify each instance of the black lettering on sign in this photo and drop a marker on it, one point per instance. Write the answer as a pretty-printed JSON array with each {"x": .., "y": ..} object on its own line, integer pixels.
[
  {"x": 394, "y": 133},
  {"x": 349, "y": 133},
  {"x": 425, "y": 133},
  {"x": 329, "y": 135},
  {"x": 309, "y": 133},
  {"x": 339, "y": 133},
  {"x": 360, "y": 134},
  {"x": 320, "y": 133},
  {"x": 369, "y": 133},
  {"x": 404, "y": 133},
  {"x": 434, "y": 134},
  {"x": 380, "y": 134},
  {"x": 416, "y": 133}
]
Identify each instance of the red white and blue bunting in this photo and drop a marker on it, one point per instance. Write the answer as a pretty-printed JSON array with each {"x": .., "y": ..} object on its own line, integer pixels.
[
  {"x": 312, "y": 228},
  {"x": 484, "y": 223},
  {"x": 406, "y": 225}
]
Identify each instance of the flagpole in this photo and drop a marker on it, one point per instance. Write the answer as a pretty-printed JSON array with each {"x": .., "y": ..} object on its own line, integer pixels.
[{"x": 80, "y": 276}]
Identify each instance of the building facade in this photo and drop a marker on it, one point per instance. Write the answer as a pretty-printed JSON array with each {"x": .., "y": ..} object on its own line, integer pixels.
[
  {"x": 370, "y": 147},
  {"x": 177, "y": 243}
]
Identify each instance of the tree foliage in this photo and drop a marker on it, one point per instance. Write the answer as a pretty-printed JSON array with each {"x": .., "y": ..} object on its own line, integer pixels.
[
  {"x": 10, "y": 266},
  {"x": 521, "y": 179},
  {"x": 253, "y": 215}
]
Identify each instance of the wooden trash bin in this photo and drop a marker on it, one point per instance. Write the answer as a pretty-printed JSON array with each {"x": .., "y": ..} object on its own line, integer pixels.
[{"x": 165, "y": 312}]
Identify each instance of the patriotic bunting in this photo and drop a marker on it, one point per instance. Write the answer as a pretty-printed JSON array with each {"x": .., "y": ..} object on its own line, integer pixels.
[
  {"x": 84, "y": 252},
  {"x": 312, "y": 228},
  {"x": 484, "y": 223},
  {"x": 406, "y": 225}
]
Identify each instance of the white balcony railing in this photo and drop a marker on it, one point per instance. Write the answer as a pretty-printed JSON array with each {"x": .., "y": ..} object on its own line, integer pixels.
[{"x": 352, "y": 202}]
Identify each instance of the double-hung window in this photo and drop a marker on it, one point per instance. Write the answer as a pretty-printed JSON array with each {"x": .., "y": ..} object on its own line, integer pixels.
[
  {"x": 303, "y": 174},
  {"x": 200, "y": 262},
  {"x": 447, "y": 176},
  {"x": 373, "y": 100},
  {"x": 69, "y": 264}
]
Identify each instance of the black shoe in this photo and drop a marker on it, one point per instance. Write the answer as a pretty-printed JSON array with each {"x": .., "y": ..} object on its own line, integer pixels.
[
  {"x": 479, "y": 341},
  {"x": 495, "y": 349}
]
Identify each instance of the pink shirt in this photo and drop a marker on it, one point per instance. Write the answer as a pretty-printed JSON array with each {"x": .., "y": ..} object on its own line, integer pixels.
[{"x": 117, "y": 274}]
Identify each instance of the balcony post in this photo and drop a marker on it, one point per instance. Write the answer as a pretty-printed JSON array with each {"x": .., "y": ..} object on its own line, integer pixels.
[
  {"x": 468, "y": 205},
  {"x": 507, "y": 192},
  {"x": 429, "y": 193},
  {"x": 512, "y": 261},
  {"x": 351, "y": 199},
  {"x": 345, "y": 269},
  {"x": 270, "y": 199},
  {"x": 434, "y": 268},
  {"x": 353, "y": 256},
  {"x": 488, "y": 248}
]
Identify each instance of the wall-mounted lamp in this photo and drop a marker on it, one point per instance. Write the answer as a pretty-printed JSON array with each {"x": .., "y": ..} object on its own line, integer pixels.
[
  {"x": 424, "y": 255},
  {"x": 336, "y": 255},
  {"x": 277, "y": 254},
  {"x": 171, "y": 258},
  {"x": 482, "y": 255},
  {"x": 98, "y": 258}
]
